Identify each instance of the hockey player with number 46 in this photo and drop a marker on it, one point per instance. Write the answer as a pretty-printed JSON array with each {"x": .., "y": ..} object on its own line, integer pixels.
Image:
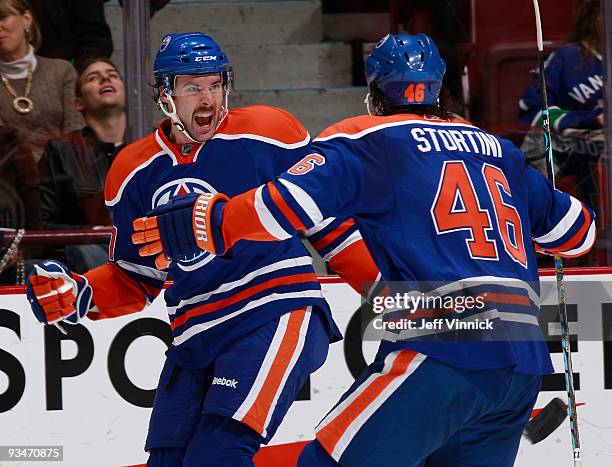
[
  {"x": 437, "y": 200},
  {"x": 249, "y": 327}
]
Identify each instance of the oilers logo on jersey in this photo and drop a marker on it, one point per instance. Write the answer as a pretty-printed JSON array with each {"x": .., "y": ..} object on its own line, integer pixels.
[{"x": 180, "y": 187}]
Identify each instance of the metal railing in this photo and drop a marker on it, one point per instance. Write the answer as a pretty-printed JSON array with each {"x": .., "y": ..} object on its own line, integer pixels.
[{"x": 58, "y": 237}]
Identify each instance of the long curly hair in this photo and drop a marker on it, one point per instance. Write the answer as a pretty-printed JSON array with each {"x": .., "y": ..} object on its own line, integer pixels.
[
  {"x": 588, "y": 24},
  {"x": 446, "y": 108}
]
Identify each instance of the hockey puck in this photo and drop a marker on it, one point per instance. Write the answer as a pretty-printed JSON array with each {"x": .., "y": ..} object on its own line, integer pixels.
[{"x": 547, "y": 421}]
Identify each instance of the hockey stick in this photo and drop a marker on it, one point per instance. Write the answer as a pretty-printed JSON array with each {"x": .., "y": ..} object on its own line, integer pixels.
[{"x": 565, "y": 341}]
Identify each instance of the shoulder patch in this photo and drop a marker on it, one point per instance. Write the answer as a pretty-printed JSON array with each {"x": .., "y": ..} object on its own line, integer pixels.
[
  {"x": 129, "y": 161},
  {"x": 264, "y": 123}
]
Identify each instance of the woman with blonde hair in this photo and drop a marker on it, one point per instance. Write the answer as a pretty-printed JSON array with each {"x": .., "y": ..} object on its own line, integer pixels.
[{"x": 36, "y": 93}]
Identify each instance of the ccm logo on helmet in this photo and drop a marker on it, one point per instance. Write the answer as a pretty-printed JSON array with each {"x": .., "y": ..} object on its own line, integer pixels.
[
  {"x": 307, "y": 164},
  {"x": 205, "y": 58}
]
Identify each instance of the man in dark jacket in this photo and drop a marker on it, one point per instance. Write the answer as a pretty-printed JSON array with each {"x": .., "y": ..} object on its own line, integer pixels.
[
  {"x": 74, "y": 166},
  {"x": 74, "y": 30}
]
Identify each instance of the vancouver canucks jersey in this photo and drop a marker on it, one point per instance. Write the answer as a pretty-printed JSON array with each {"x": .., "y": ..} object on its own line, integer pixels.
[
  {"x": 574, "y": 88},
  {"x": 446, "y": 209}
]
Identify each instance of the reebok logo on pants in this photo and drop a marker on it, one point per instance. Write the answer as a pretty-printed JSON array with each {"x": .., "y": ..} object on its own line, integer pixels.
[{"x": 230, "y": 383}]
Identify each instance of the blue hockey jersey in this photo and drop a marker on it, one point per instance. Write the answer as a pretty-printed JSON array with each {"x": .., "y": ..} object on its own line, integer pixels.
[
  {"x": 215, "y": 300},
  {"x": 574, "y": 87},
  {"x": 442, "y": 206}
]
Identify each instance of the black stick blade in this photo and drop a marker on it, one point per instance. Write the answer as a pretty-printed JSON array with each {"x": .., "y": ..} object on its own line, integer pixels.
[{"x": 547, "y": 421}]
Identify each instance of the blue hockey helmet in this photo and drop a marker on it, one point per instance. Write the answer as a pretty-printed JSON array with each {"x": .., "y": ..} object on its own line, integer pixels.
[
  {"x": 192, "y": 53},
  {"x": 406, "y": 70}
]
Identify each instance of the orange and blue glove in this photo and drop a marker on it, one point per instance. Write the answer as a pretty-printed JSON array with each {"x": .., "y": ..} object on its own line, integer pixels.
[
  {"x": 183, "y": 227},
  {"x": 56, "y": 294}
]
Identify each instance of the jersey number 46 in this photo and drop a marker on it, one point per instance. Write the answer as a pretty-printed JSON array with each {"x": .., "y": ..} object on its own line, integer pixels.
[{"x": 456, "y": 207}]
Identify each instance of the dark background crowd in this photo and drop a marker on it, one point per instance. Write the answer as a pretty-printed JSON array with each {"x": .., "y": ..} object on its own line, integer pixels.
[{"x": 63, "y": 108}]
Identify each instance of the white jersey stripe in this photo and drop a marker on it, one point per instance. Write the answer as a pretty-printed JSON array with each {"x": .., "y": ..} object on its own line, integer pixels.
[
  {"x": 341, "y": 407},
  {"x": 321, "y": 226},
  {"x": 117, "y": 198},
  {"x": 478, "y": 281},
  {"x": 142, "y": 270},
  {"x": 361, "y": 418},
  {"x": 494, "y": 313},
  {"x": 564, "y": 225},
  {"x": 249, "y": 400},
  {"x": 197, "y": 328},
  {"x": 264, "y": 139},
  {"x": 284, "y": 264},
  {"x": 294, "y": 358},
  {"x": 354, "y": 237},
  {"x": 165, "y": 147},
  {"x": 267, "y": 219},
  {"x": 304, "y": 200},
  {"x": 389, "y": 125},
  {"x": 374, "y": 287},
  {"x": 588, "y": 243},
  {"x": 364, "y": 416}
]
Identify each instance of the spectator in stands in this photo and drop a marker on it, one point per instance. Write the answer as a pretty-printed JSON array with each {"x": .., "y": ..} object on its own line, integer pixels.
[
  {"x": 574, "y": 87},
  {"x": 19, "y": 201},
  {"x": 444, "y": 21},
  {"x": 574, "y": 77},
  {"x": 74, "y": 30},
  {"x": 74, "y": 166},
  {"x": 36, "y": 93}
]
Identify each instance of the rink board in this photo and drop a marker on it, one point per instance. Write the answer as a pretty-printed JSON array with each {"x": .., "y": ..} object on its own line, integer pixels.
[{"x": 61, "y": 392}]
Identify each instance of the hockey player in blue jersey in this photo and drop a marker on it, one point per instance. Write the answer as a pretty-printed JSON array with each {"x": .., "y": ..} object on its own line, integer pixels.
[
  {"x": 438, "y": 201},
  {"x": 249, "y": 327}
]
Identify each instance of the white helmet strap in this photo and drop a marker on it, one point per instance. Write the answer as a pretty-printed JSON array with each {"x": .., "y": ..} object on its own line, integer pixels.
[
  {"x": 172, "y": 115},
  {"x": 367, "y": 103}
]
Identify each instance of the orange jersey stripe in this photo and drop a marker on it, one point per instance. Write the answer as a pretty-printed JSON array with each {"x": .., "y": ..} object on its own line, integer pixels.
[
  {"x": 354, "y": 125},
  {"x": 578, "y": 236},
  {"x": 507, "y": 298},
  {"x": 334, "y": 234},
  {"x": 281, "y": 204},
  {"x": 329, "y": 435},
  {"x": 240, "y": 220},
  {"x": 243, "y": 295},
  {"x": 258, "y": 413}
]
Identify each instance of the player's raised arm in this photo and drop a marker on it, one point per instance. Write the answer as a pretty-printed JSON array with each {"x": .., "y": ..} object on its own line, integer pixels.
[
  {"x": 328, "y": 182},
  {"x": 126, "y": 284}
]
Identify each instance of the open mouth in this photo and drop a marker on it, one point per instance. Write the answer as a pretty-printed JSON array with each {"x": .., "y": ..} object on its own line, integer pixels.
[
  {"x": 203, "y": 121},
  {"x": 107, "y": 90}
]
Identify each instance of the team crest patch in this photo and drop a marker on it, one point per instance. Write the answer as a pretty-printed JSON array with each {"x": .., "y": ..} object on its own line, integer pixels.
[
  {"x": 164, "y": 43},
  {"x": 179, "y": 187}
]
